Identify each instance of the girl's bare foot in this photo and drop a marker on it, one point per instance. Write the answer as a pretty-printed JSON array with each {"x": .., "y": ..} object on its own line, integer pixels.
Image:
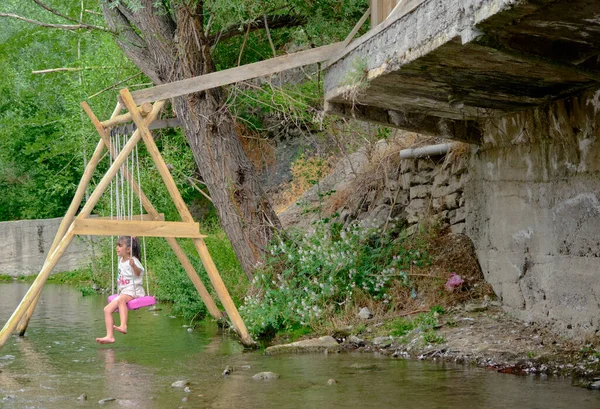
[
  {"x": 121, "y": 330},
  {"x": 105, "y": 340}
]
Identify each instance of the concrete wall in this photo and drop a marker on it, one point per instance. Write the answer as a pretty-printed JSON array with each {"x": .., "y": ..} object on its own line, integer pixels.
[
  {"x": 25, "y": 243},
  {"x": 533, "y": 213}
]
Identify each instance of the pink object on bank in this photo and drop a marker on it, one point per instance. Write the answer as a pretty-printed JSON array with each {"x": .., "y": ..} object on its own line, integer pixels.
[
  {"x": 136, "y": 302},
  {"x": 454, "y": 281}
]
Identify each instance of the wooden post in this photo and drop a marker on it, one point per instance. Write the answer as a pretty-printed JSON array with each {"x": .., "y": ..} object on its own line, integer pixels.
[
  {"x": 144, "y": 109},
  {"x": 181, "y": 256},
  {"x": 147, "y": 228},
  {"x": 185, "y": 214},
  {"x": 68, "y": 219},
  {"x": 224, "y": 296}
]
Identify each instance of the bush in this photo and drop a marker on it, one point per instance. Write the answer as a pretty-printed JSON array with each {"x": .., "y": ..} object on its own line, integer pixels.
[{"x": 311, "y": 276}]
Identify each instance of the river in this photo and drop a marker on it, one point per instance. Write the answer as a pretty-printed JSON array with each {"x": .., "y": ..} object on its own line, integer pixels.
[{"x": 58, "y": 361}]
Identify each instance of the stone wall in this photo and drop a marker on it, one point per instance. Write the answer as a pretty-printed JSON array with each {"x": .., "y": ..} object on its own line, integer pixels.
[
  {"x": 374, "y": 185},
  {"x": 534, "y": 213},
  {"x": 25, "y": 243},
  {"x": 435, "y": 190}
]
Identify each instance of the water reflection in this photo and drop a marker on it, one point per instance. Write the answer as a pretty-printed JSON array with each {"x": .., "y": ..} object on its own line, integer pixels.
[{"x": 59, "y": 360}]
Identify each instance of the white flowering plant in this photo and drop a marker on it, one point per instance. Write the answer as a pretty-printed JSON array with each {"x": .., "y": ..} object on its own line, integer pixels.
[{"x": 311, "y": 276}]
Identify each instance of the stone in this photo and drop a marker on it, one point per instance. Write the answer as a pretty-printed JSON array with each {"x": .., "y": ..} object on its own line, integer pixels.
[
  {"x": 441, "y": 178},
  {"x": 354, "y": 340},
  {"x": 180, "y": 384},
  {"x": 187, "y": 389},
  {"x": 420, "y": 192},
  {"x": 82, "y": 397},
  {"x": 105, "y": 400},
  {"x": 383, "y": 341},
  {"x": 331, "y": 382},
  {"x": 594, "y": 385},
  {"x": 476, "y": 307},
  {"x": 323, "y": 344},
  {"x": 408, "y": 165},
  {"x": 425, "y": 164},
  {"x": 458, "y": 228},
  {"x": 228, "y": 369},
  {"x": 451, "y": 201},
  {"x": 455, "y": 185},
  {"x": 459, "y": 216},
  {"x": 437, "y": 204},
  {"x": 265, "y": 376},
  {"x": 365, "y": 313}
]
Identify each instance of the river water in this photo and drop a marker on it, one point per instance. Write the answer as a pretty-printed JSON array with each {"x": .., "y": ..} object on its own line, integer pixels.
[{"x": 58, "y": 361}]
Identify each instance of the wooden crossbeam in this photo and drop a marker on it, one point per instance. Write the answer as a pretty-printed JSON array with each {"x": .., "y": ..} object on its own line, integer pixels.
[
  {"x": 237, "y": 74},
  {"x": 102, "y": 227},
  {"x": 145, "y": 216}
]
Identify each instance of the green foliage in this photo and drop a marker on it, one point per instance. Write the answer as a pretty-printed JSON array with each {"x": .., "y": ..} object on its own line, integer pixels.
[
  {"x": 311, "y": 276},
  {"x": 426, "y": 323},
  {"x": 432, "y": 337},
  {"x": 44, "y": 135},
  {"x": 172, "y": 283}
]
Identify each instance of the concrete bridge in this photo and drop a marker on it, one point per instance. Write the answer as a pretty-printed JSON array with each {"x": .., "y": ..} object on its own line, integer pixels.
[{"x": 520, "y": 81}]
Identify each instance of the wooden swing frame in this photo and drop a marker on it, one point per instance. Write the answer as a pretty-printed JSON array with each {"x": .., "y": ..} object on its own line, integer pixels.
[{"x": 151, "y": 224}]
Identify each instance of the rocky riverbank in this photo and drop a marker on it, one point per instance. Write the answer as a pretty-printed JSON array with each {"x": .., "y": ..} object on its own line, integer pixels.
[{"x": 472, "y": 334}]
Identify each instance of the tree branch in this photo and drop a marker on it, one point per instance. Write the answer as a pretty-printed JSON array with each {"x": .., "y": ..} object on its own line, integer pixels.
[
  {"x": 51, "y": 10},
  {"x": 68, "y": 69},
  {"x": 259, "y": 23},
  {"x": 68, "y": 27}
]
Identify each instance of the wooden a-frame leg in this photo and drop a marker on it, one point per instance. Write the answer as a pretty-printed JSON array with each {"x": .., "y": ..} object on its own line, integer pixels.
[
  {"x": 185, "y": 214},
  {"x": 179, "y": 253},
  {"x": 35, "y": 288},
  {"x": 68, "y": 218}
]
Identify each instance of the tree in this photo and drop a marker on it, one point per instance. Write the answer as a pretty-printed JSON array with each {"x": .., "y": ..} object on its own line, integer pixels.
[{"x": 174, "y": 40}]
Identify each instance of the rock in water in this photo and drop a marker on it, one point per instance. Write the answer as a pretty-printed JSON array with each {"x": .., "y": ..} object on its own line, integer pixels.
[
  {"x": 265, "y": 376},
  {"x": 103, "y": 401},
  {"x": 180, "y": 384}
]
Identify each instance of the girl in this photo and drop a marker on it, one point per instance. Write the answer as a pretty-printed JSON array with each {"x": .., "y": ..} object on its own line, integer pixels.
[{"x": 129, "y": 285}]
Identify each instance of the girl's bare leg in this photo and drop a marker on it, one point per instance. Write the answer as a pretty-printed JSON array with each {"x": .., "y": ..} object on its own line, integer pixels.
[
  {"x": 108, "y": 320},
  {"x": 123, "y": 312}
]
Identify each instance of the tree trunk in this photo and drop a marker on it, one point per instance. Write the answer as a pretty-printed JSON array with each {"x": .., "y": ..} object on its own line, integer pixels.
[{"x": 167, "y": 51}]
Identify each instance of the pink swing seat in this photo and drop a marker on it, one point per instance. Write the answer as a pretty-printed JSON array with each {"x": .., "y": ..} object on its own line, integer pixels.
[{"x": 137, "y": 303}]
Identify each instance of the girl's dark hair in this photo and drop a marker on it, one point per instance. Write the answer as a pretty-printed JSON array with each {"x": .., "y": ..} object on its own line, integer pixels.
[{"x": 133, "y": 243}]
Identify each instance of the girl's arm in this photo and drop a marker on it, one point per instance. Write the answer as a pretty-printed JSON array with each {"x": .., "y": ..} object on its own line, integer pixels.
[{"x": 136, "y": 270}]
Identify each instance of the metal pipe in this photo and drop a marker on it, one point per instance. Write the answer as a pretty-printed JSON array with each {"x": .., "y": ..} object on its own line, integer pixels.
[{"x": 431, "y": 150}]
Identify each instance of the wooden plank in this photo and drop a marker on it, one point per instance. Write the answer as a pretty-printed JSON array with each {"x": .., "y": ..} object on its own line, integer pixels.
[
  {"x": 144, "y": 108},
  {"x": 237, "y": 74},
  {"x": 101, "y": 227},
  {"x": 147, "y": 217},
  {"x": 223, "y": 294}
]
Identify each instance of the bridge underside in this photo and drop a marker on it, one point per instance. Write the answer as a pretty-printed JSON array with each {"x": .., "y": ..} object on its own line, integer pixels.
[{"x": 445, "y": 67}]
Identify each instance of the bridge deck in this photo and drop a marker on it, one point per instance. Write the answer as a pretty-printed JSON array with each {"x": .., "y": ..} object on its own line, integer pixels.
[{"x": 443, "y": 66}]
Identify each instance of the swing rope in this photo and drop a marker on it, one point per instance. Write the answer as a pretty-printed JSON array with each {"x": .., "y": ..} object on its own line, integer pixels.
[{"x": 122, "y": 195}]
